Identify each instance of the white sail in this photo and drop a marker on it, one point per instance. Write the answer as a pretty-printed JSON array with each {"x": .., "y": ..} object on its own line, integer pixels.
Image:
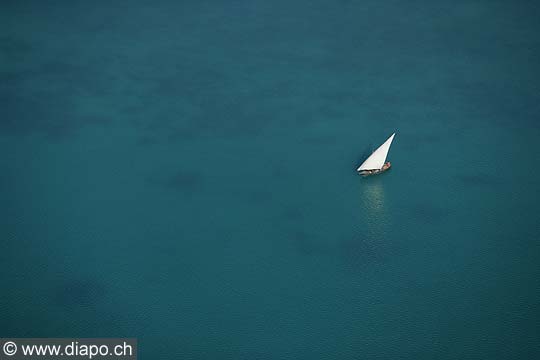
[{"x": 376, "y": 160}]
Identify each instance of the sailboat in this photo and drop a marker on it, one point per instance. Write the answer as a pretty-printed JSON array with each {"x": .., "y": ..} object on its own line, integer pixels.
[{"x": 376, "y": 163}]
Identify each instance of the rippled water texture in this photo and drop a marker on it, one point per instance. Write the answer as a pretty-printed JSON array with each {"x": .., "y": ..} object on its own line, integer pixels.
[{"x": 183, "y": 172}]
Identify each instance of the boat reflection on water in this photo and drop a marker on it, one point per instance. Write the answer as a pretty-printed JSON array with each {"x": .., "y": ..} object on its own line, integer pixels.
[
  {"x": 374, "y": 209},
  {"x": 369, "y": 246}
]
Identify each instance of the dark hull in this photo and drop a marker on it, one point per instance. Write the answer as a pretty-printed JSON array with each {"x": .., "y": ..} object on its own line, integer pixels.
[{"x": 366, "y": 173}]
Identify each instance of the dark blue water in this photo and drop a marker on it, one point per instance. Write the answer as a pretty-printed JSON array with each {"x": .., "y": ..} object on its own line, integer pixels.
[{"x": 183, "y": 172}]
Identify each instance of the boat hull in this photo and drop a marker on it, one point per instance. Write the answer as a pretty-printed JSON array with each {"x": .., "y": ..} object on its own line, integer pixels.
[{"x": 366, "y": 173}]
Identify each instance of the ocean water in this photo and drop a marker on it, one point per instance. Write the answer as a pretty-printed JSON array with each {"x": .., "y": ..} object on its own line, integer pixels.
[{"x": 183, "y": 172}]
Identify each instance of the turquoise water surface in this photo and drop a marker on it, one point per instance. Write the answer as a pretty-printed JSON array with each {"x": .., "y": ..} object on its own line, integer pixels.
[{"x": 183, "y": 172}]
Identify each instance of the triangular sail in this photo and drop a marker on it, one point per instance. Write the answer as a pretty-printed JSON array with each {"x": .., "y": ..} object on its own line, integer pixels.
[{"x": 376, "y": 160}]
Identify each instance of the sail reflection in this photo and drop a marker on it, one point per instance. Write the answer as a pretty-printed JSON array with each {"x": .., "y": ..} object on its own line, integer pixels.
[
  {"x": 373, "y": 195},
  {"x": 374, "y": 208}
]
